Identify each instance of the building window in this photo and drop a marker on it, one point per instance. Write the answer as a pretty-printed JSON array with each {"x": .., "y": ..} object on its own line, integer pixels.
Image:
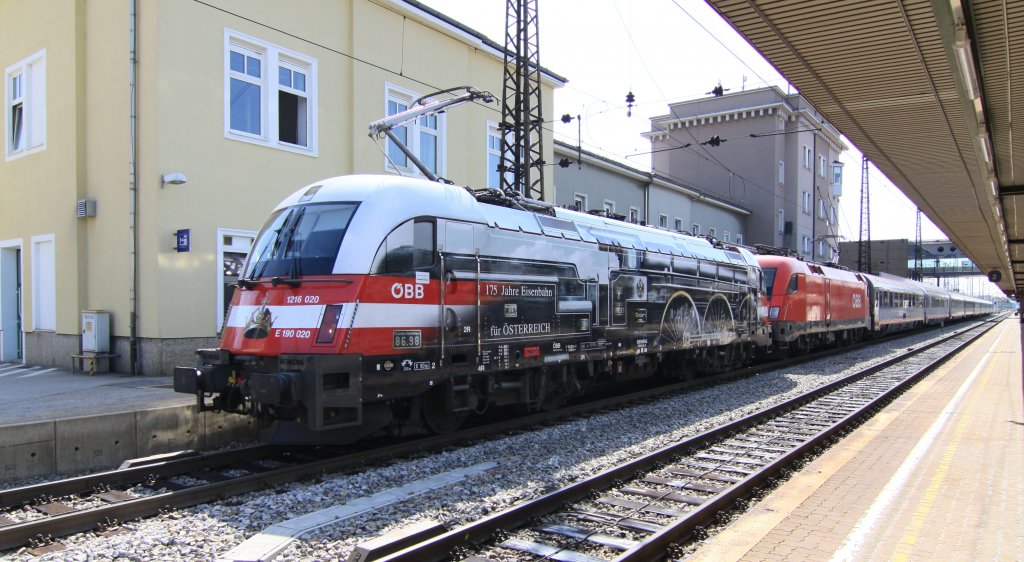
[
  {"x": 580, "y": 202},
  {"x": 822, "y": 212},
  {"x": 424, "y": 136},
  {"x": 821, "y": 166},
  {"x": 663, "y": 221},
  {"x": 782, "y": 221},
  {"x": 44, "y": 283},
  {"x": 494, "y": 156},
  {"x": 711, "y": 232},
  {"x": 807, "y": 157},
  {"x": 782, "y": 173},
  {"x": 634, "y": 215},
  {"x": 679, "y": 224},
  {"x": 726, "y": 237},
  {"x": 805, "y": 244},
  {"x": 269, "y": 94},
  {"x": 807, "y": 202},
  {"x": 739, "y": 239},
  {"x": 609, "y": 207},
  {"x": 695, "y": 230},
  {"x": 25, "y": 108},
  {"x": 821, "y": 249}
]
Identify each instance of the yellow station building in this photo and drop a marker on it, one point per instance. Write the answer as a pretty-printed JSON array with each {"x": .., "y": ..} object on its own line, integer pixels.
[{"x": 135, "y": 129}]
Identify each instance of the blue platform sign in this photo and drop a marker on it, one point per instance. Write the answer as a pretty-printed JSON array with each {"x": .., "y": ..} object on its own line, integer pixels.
[{"x": 184, "y": 240}]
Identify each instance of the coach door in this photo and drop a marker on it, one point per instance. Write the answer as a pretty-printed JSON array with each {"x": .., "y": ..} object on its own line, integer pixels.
[{"x": 460, "y": 294}]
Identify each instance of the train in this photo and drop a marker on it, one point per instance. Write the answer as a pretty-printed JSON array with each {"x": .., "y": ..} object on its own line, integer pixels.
[{"x": 392, "y": 305}]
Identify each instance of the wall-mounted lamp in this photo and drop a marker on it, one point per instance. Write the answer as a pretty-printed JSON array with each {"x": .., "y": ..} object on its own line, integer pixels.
[{"x": 177, "y": 178}]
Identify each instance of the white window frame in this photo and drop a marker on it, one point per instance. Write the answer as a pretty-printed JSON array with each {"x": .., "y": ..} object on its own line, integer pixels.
[
  {"x": 821, "y": 248},
  {"x": 405, "y": 96},
  {"x": 822, "y": 211},
  {"x": 493, "y": 134},
  {"x": 807, "y": 157},
  {"x": 695, "y": 229},
  {"x": 31, "y": 96},
  {"x": 782, "y": 221},
  {"x": 807, "y": 202},
  {"x": 711, "y": 231},
  {"x": 726, "y": 237},
  {"x": 581, "y": 200},
  {"x": 782, "y": 173},
  {"x": 739, "y": 239},
  {"x": 634, "y": 215},
  {"x": 44, "y": 291},
  {"x": 609, "y": 206},
  {"x": 221, "y": 249},
  {"x": 663, "y": 220},
  {"x": 272, "y": 58},
  {"x": 679, "y": 224},
  {"x": 821, "y": 166},
  {"x": 805, "y": 244}
]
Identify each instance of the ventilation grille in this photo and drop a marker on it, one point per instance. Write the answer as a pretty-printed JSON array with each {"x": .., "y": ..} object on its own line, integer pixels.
[{"x": 86, "y": 208}]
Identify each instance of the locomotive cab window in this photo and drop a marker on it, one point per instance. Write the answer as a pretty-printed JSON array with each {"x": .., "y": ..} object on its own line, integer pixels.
[
  {"x": 769, "y": 280},
  {"x": 408, "y": 247},
  {"x": 300, "y": 240}
]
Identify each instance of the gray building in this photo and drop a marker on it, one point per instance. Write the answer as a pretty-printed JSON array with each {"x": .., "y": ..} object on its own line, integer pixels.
[
  {"x": 594, "y": 183},
  {"x": 763, "y": 150}
]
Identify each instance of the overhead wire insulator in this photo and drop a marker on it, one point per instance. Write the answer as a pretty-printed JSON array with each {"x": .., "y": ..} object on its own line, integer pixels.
[
  {"x": 718, "y": 91},
  {"x": 714, "y": 141},
  {"x": 630, "y": 101}
]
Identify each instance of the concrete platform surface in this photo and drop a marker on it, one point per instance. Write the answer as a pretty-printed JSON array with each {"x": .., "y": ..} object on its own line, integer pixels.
[
  {"x": 937, "y": 475},
  {"x": 29, "y": 394},
  {"x": 54, "y": 421}
]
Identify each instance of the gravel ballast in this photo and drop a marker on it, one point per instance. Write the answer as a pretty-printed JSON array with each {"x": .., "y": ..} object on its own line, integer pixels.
[{"x": 529, "y": 464}]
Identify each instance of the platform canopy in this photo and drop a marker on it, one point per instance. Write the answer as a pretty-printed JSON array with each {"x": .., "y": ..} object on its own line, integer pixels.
[{"x": 927, "y": 90}]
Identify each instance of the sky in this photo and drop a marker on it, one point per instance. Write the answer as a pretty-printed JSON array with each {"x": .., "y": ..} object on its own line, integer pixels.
[{"x": 663, "y": 51}]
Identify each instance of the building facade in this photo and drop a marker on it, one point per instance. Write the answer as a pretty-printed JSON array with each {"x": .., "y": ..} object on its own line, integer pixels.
[
  {"x": 146, "y": 142},
  {"x": 594, "y": 183},
  {"x": 764, "y": 150}
]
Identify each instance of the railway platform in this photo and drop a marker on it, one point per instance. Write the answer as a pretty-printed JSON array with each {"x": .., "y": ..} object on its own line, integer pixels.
[
  {"x": 56, "y": 421},
  {"x": 936, "y": 475}
]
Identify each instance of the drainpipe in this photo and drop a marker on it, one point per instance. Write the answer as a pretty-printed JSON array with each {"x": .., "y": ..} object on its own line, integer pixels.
[
  {"x": 647, "y": 200},
  {"x": 133, "y": 202}
]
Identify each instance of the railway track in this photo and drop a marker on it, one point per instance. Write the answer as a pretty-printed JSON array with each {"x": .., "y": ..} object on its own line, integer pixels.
[
  {"x": 34, "y": 515},
  {"x": 644, "y": 509}
]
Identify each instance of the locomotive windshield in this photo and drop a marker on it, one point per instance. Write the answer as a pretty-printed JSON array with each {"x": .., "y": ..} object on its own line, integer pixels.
[
  {"x": 300, "y": 240},
  {"x": 769, "y": 280}
]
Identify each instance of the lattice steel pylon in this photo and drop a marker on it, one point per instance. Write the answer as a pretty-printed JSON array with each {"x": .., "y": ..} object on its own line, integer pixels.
[
  {"x": 918, "y": 258},
  {"x": 864, "y": 243},
  {"x": 522, "y": 154}
]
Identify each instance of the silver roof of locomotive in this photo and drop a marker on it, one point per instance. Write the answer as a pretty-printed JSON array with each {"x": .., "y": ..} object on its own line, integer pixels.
[{"x": 388, "y": 201}]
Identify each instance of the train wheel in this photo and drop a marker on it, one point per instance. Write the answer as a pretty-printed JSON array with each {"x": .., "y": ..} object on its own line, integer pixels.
[
  {"x": 436, "y": 414},
  {"x": 718, "y": 317},
  {"x": 679, "y": 322}
]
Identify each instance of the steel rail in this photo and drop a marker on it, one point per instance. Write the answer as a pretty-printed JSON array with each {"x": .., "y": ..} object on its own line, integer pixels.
[
  {"x": 483, "y": 531},
  {"x": 88, "y": 519}
]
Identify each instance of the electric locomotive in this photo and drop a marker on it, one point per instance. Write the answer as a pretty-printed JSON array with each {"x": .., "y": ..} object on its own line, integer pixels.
[{"x": 374, "y": 304}]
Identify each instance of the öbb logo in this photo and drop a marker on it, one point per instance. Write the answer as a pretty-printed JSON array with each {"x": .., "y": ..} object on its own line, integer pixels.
[{"x": 407, "y": 290}]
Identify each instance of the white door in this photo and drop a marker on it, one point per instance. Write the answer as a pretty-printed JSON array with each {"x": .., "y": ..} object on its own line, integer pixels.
[
  {"x": 10, "y": 301},
  {"x": 44, "y": 284}
]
